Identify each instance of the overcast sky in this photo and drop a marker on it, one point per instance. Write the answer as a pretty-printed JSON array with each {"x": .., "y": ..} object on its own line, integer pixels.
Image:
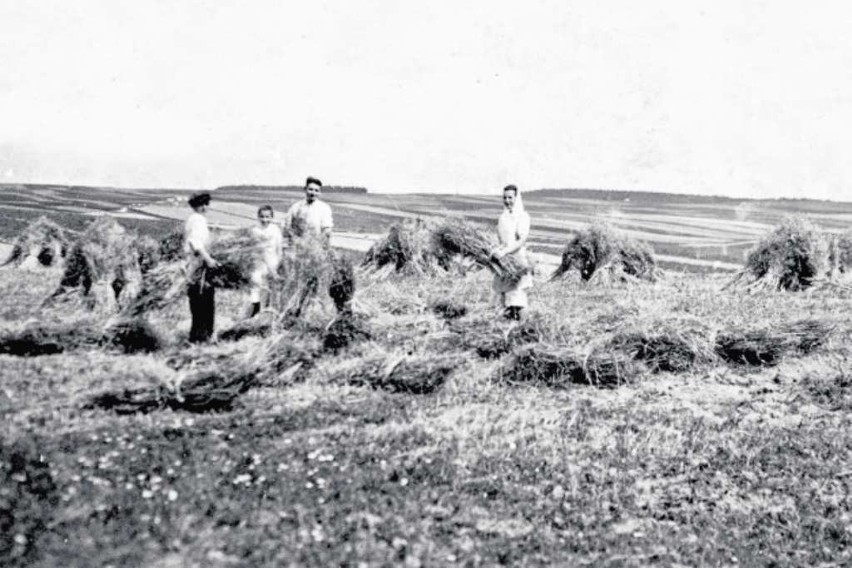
[{"x": 732, "y": 97}]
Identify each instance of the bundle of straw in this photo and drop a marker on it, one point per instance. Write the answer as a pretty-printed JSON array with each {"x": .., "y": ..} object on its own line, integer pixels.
[
  {"x": 492, "y": 338},
  {"x": 126, "y": 335},
  {"x": 134, "y": 335},
  {"x": 602, "y": 255},
  {"x": 306, "y": 268},
  {"x": 415, "y": 374},
  {"x": 791, "y": 257},
  {"x": 258, "y": 326},
  {"x": 342, "y": 286},
  {"x": 41, "y": 242},
  {"x": 558, "y": 367},
  {"x": 672, "y": 347},
  {"x": 765, "y": 347},
  {"x": 459, "y": 237},
  {"x": 161, "y": 286},
  {"x": 153, "y": 252},
  {"x": 50, "y": 338},
  {"x": 238, "y": 254},
  {"x": 345, "y": 330},
  {"x": 448, "y": 309}
]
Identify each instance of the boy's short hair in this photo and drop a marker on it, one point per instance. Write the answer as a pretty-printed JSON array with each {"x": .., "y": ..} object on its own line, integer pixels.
[
  {"x": 311, "y": 180},
  {"x": 199, "y": 199},
  {"x": 511, "y": 188},
  {"x": 263, "y": 208}
]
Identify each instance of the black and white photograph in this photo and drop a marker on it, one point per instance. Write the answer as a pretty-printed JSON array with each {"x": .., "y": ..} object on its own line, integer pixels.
[{"x": 425, "y": 283}]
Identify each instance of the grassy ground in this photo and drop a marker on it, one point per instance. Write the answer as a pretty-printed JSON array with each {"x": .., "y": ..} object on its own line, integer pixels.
[{"x": 721, "y": 465}]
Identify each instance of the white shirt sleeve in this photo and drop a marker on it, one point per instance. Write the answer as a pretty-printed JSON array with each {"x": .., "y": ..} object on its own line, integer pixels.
[{"x": 326, "y": 222}]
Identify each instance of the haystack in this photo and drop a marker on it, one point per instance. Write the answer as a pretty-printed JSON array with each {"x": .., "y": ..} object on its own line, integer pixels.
[
  {"x": 602, "y": 255},
  {"x": 102, "y": 267},
  {"x": 460, "y": 237},
  {"x": 407, "y": 249},
  {"x": 766, "y": 347},
  {"x": 558, "y": 367},
  {"x": 792, "y": 257},
  {"x": 415, "y": 374},
  {"x": 41, "y": 243}
]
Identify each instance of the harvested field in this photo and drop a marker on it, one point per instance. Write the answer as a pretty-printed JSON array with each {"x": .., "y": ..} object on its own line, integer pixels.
[{"x": 672, "y": 423}]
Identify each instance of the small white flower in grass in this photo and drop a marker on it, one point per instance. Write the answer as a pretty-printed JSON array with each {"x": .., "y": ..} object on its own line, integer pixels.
[
  {"x": 147, "y": 494},
  {"x": 172, "y": 495},
  {"x": 242, "y": 478}
]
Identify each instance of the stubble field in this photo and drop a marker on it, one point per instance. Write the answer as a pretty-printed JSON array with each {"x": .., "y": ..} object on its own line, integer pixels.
[{"x": 715, "y": 462}]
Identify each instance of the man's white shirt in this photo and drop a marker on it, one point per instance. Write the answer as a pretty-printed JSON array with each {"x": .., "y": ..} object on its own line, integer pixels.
[{"x": 312, "y": 218}]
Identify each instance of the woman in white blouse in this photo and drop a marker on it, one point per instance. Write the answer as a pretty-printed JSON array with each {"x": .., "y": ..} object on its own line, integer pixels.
[
  {"x": 513, "y": 229},
  {"x": 202, "y": 300}
]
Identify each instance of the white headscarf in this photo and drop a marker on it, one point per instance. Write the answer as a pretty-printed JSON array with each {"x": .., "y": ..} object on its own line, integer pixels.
[{"x": 518, "y": 207}]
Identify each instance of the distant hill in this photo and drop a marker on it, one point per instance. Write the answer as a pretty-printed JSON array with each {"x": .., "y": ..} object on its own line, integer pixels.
[
  {"x": 325, "y": 188},
  {"x": 663, "y": 197}
]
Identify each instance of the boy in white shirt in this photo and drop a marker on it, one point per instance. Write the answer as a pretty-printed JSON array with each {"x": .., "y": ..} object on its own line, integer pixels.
[
  {"x": 271, "y": 242},
  {"x": 310, "y": 217}
]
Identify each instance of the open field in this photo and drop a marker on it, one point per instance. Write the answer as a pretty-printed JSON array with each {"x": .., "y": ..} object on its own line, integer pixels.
[
  {"x": 709, "y": 459},
  {"x": 688, "y": 233}
]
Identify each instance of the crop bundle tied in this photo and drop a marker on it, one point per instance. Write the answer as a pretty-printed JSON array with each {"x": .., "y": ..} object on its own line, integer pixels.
[
  {"x": 42, "y": 242},
  {"x": 459, "y": 237},
  {"x": 602, "y": 255}
]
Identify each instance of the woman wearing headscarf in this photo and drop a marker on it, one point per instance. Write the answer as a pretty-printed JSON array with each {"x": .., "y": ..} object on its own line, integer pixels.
[
  {"x": 202, "y": 301},
  {"x": 513, "y": 229}
]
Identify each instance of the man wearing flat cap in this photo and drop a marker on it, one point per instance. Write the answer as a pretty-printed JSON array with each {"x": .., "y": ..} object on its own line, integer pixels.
[{"x": 202, "y": 303}]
